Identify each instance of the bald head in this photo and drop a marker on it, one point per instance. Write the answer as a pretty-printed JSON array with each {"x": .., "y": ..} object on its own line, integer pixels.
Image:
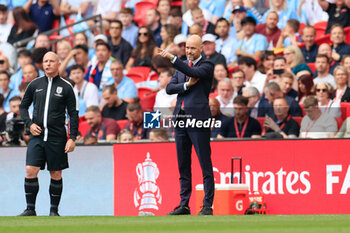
[
  {"x": 51, "y": 64},
  {"x": 325, "y": 49},
  {"x": 193, "y": 47}
]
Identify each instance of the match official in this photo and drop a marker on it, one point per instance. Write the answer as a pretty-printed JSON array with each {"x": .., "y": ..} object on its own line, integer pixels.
[
  {"x": 192, "y": 82},
  {"x": 48, "y": 144}
]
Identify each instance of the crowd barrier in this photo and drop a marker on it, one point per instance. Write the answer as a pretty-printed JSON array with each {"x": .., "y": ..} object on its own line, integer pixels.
[{"x": 296, "y": 177}]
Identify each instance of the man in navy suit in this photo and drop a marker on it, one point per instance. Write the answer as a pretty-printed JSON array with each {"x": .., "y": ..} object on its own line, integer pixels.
[{"x": 192, "y": 82}]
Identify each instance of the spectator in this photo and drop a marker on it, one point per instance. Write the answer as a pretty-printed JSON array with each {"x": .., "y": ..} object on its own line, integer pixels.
[
  {"x": 114, "y": 107},
  {"x": 5, "y": 90},
  {"x": 121, "y": 49},
  {"x": 238, "y": 14},
  {"x": 254, "y": 104},
  {"x": 4, "y": 64},
  {"x": 327, "y": 50},
  {"x": 80, "y": 54},
  {"x": 289, "y": 35},
  {"x": 270, "y": 29},
  {"x": 158, "y": 135},
  {"x": 225, "y": 44},
  {"x": 163, "y": 7},
  {"x": 311, "y": 48},
  {"x": 168, "y": 33},
  {"x": 81, "y": 39},
  {"x": 310, "y": 12},
  {"x": 316, "y": 124},
  {"x": 180, "y": 41},
  {"x": 295, "y": 59},
  {"x": 346, "y": 62},
  {"x": 63, "y": 50},
  {"x": 24, "y": 58},
  {"x": 73, "y": 8},
  {"x": 42, "y": 41},
  {"x": 5, "y": 27},
  {"x": 196, "y": 29},
  {"x": 3, "y": 114},
  {"x": 344, "y": 131},
  {"x": 342, "y": 93},
  {"x": 125, "y": 136},
  {"x": 7, "y": 50},
  {"x": 305, "y": 86},
  {"x": 153, "y": 22},
  {"x": 246, "y": 5},
  {"x": 273, "y": 91},
  {"x": 109, "y": 11},
  {"x": 242, "y": 125},
  {"x": 286, "y": 83},
  {"x": 324, "y": 93},
  {"x": 159, "y": 64},
  {"x": 279, "y": 67},
  {"x": 339, "y": 47},
  {"x": 282, "y": 123},
  {"x": 338, "y": 13},
  {"x": 145, "y": 49},
  {"x": 225, "y": 97},
  {"x": 198, "y": 18},
  {"x": 163, "y": 100},
  {"x": 284, "y": 12},
  {"x": 101, "y": 128},
  {"x": 214, "y": 105},
  {"x": 209, "y": 50},
  {"x": 126, "y": 88},
  {"x": 253, "y": 77},
  {"x": 90, "y": 140},
  {"x": 175, "y": 18},
  {"x": 23, "y": 26},
  {"x": 266, "y": 61},
  {"x": 253, "y": 44},
  {"x": 38, "y": 55},
  {"x": 42, "y": 13},
  {"x": 135, "y": 121},
  {"x": 322, "y": 67},
  {"x": 130, "y": 30},
  {"x": 237, "y": 82},
  {"x": 187, "y": 16},
  {"x": 220, "y": 72},
  {"x": 87, "y": 92},
  {"x": 29, "y": 73},
  {"x": 215, "y": 8},
  {"x": 100, "y": 73}
]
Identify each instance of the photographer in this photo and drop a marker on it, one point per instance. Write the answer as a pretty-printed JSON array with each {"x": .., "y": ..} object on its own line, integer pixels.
[{"x": 15, "y": 133}]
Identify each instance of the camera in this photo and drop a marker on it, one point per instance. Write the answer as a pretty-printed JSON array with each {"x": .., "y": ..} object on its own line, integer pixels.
[{"x": 14, "y": 129}]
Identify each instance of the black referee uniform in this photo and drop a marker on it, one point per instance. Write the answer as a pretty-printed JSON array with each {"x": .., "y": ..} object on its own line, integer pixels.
[{"x": 52, "y": 99}]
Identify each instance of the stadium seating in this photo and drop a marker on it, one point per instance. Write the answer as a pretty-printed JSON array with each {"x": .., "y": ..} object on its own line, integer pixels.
[
  {"x": 339, "y": 121},
  {"x": 345, "y": 110},
  {"x": 312, "y": 66},
  {"x": 148, "y": 101},
  {"x": 141, "y": 9},
  {"x": 144, "y": 91},
  {"x": 83, "y": 128},
  {"x": 320, "y": 28},
  {"x": 138, "y": 73},
  {"x": 122, "y": 123}
]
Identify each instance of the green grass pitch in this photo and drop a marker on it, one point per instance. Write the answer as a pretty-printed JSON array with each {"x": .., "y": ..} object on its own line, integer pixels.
[{"x": 246, "y": 224}]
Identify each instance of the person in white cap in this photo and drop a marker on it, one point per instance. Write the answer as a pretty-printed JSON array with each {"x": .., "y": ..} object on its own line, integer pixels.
[
  {"x": 180, "y": 40},
  {"x": 209, "y": 50}
]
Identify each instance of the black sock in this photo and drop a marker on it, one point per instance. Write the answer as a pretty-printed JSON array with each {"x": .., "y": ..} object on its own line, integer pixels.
[
  {"x": 55, "y": 194},
  {"x": 31, "y": 188}
]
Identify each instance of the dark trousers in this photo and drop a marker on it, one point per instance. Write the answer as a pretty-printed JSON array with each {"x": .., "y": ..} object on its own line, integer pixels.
[{"x": 200, "y": 139}]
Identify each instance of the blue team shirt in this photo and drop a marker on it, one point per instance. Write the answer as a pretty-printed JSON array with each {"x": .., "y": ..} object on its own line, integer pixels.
[
  {"x": 227, "y": 48},
  {"x": 43, "y": 16},
  {"x": 130, "y": 34},
  {"x": 214, "y": 7},
  {"x": 284, "y": 16},
  {"x": 11, "y": 93},
  {"x": 257, "y": 42},
  {"x": 127, "y": 88}
]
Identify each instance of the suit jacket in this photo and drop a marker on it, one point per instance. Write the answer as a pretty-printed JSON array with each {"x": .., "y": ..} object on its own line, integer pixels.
[{"x": 195, "y": 98}]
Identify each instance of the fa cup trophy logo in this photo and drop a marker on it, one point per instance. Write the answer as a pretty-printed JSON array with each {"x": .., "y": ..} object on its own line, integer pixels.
[{"x": 147, "y": 195}]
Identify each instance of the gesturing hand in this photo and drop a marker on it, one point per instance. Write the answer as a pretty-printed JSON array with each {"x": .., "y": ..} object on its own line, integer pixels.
[
  {"x": 35, "y": 129},
  {"x": 165, "y": 54}
]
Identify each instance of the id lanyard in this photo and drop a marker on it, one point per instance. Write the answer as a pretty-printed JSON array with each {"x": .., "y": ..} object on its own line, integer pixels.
[{"x": 240, "y": 135}]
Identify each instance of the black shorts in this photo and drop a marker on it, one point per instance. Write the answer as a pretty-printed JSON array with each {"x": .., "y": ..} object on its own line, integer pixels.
[{"x": 50, "y": 152}]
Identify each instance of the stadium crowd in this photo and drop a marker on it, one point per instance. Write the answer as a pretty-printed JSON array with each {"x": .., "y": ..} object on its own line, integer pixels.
[{"x": 281, "y": 66}]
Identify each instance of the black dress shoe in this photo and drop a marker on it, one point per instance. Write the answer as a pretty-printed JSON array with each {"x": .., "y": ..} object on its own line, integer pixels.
[
  {"x": 180, "y": 210},
  {"x": 28, "y": 213},
  {"x": 54, "y": 213},
  {"x": 206, "y": 210}
]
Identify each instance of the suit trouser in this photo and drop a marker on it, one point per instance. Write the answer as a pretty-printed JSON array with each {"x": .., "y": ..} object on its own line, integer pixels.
[{"x": 200, "y": 139}]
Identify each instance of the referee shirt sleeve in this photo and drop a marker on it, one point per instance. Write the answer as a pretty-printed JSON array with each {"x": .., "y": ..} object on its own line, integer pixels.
[
  {"x": 73, "y": 109},
  {"x": 25, "y": 103}
]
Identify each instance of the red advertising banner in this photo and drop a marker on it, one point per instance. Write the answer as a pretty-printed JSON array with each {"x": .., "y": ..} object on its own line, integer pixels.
[{"x": 296, "y": 176}]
